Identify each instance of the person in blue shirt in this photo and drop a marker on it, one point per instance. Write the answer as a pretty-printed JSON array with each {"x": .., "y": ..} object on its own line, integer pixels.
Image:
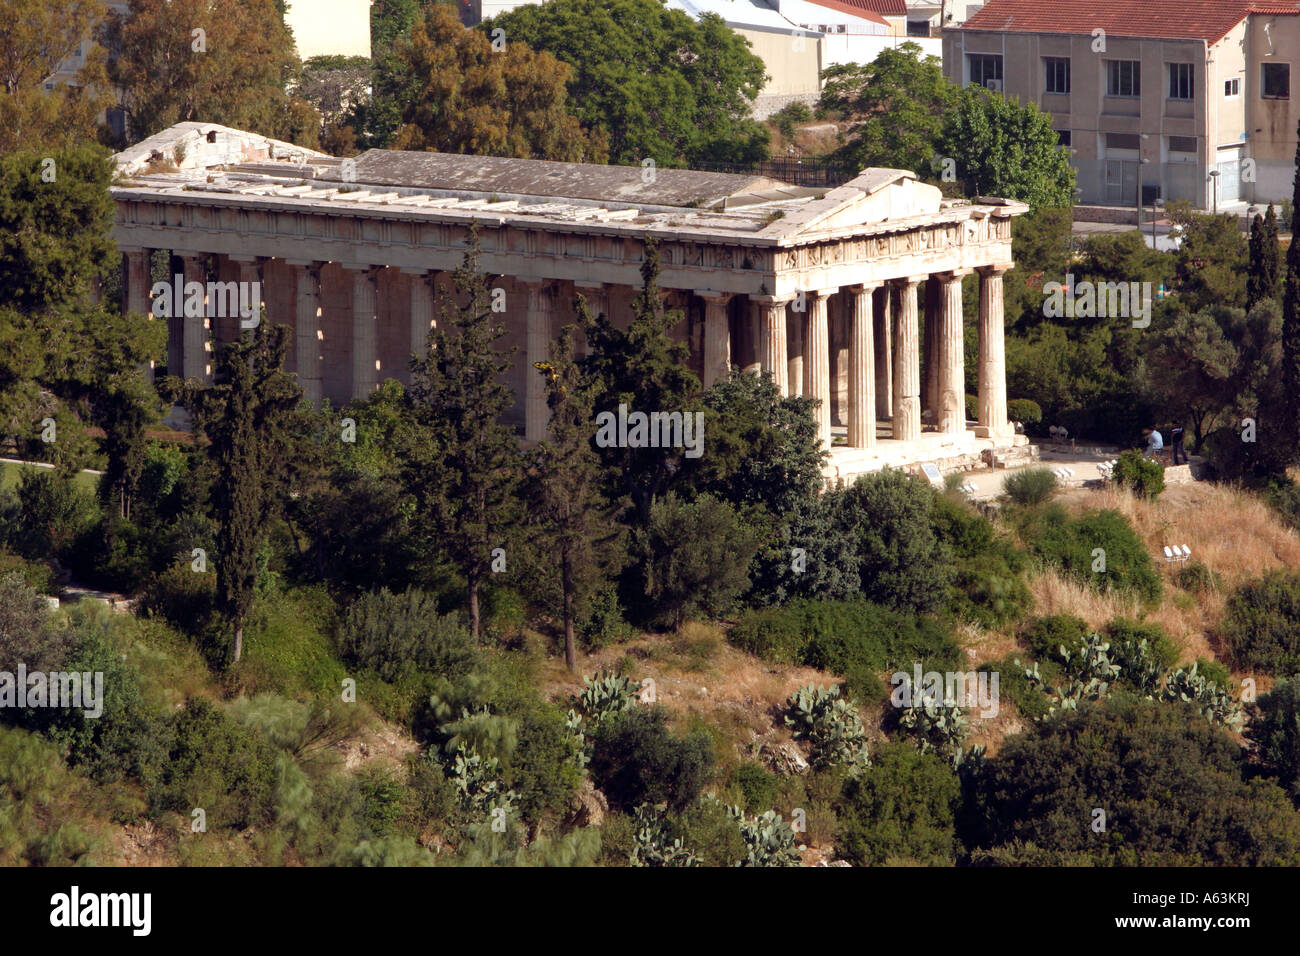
[{"x": 1154, "y": 443}]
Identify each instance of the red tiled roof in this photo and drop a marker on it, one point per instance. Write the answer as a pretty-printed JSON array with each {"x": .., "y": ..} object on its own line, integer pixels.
[
  {"x": 1276, "y": 9},
  {"x": 891, "y": 8},
  {"x": 1207, "y": 20}
]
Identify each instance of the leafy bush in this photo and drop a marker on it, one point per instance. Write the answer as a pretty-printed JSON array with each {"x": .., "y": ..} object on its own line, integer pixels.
[
  {"x": 392, "y": 633},
  {"x": 902, "y": 810},
  {"x": 1126, "y": 637},
  {"x": 27, "y": 633},
  {"x": 1024, "y": 410},
  {"x": 1013, "y": 685},
  {"x": 1196, "y": 576},
  {"x": 853, "y": 638},
  {"x": 602, "y": 623},
  {"x": 1046, "y": 635},
  {"x": 1077, "y": 545},
  {"x": 831, "y": 726},
  {"x": 1261, "y": 623},
  {"x": 1030, "y": 486},
  {"x": 56, "y": 510},
  {"x": 215, "y": 764},
  {"x": 1170, "y": 786},
  {"x": 898, "y": 556},
  {"x": 1275, "y": 731},
  {"x": 692, "y": 558},
  {"x": 787, "y": 116},
  {"x": 757, "y": 786},
  {"x": 1142, "y": 476},
  {"x": 988, "y": 586},
  {"x": 636, "y": 759}
]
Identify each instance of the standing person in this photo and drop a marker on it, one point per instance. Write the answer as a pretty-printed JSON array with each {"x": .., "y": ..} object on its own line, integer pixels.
[
  {"x": 1176, "y": 437},
  {"x": 1154, "y": 443}
]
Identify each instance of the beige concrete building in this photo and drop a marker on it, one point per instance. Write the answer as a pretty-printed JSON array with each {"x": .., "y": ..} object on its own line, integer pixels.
[
  {"x": 851, "y": 295},
  {"x": 1185, "y": 99}
]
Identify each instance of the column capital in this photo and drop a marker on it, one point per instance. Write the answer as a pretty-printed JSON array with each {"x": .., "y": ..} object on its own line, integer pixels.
[
  {"x": 133, "y": 250},
  {"x": 708, "y": 295},
  {"x": 419, "y": 272},
  {"x": 996, "y": 270},
  {"x": 863, "y": 288},
  {"x": 364, "y": 269},
  {"x": 952, "y": 275},
  {"x": 914, "y": 280},
  {"x": 772, "y": 299},
  {"x": 592, "y": 286},
  {"x": 306, "y": 263},
  {"x": 244, "y": 257}
]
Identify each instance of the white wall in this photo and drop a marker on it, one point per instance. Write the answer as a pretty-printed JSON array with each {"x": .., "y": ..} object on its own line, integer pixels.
[{"x": 846, "y": 48}]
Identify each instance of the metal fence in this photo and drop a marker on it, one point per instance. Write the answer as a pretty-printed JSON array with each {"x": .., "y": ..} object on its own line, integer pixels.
[{"x": 792, "y": 171}]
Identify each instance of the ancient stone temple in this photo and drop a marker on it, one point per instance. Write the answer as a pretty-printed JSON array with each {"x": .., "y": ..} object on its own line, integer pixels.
[{"x": 852, "y": 295}]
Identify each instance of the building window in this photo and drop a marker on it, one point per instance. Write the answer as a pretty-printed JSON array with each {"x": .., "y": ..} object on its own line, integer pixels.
[
  {"x": 918, "y": 28},
  {"x": 1058, "y": 74},
  {"x": 1063, "y": 137},
  {"x": 1123, "y": 78},
  {"x": 1123, "y": 141},
  {"x": 1182, "y": 144},
  {"x": 1232, "y": 87},
  {"x": 986, "y": 69},
  {"x": 1180, "y": 81},
  {"x": 1276, "y": 83}
]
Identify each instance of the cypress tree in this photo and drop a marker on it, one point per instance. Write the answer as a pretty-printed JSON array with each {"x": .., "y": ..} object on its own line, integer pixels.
[
  {"x": 1271, "y": 259},
  {"x": 466, "y": 466},
  {"x": 248, "y": 420},
  {"x": 566, "y": 476},
  {"x": 1255, "y": 278},
  {"x": 1289, "y": 433}
]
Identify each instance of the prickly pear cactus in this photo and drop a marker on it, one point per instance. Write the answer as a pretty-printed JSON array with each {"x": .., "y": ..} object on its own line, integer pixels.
[
  {"x": 1214, "y": 703},
  {"x": 652, "y": 844},
  {"x": 604, "y": 695},
  {"x": 831, "y": 726}
]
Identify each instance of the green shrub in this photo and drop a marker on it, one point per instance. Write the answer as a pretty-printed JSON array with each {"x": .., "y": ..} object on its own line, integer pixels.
[
  {"x": 55, "y": 511},
  {"x": 691, "y": 558},
  {"x": 1095, "y": 539},
  {"x": 1030, "y": 486},
  {"x": 1215, "y": 672},
  {"x": 1126, "y": 636},
  {"x": 287, "y": 646},
  {"x": 215, "y": 764},
  {"x": 1024, "y": 410},
  {"x": 988, "y": 585},
  {"x": 636, "y": 759},
  {"x": 394, "y": 633},
  {"x": 1195, "y": 576},
  {"x": 1170, "y": 786},
  {"x": 902, "y": 811},
  {"x": 757, "y": 786},
  {"x": 856, "y": 639},
  {"x": 1142, "y": 476},
  {"x": 602, "y": 622},
  {"x": 1045, "y": 635},
  {"x": 1013, "y": 685},
  {"x": 542, "y": 770},
  {"x": 1261, "y": 624},
  {"x": 1275, "y": 731},
  {"x": 28, "y": 635},
  {"x": 972, "y": 408}
]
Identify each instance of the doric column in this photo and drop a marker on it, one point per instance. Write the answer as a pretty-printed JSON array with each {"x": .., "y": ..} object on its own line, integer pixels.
[
  {"x": 950, "y": 406},
  {"x": 135, "y": 292},
  {"x": 862, "y": 367},
  {"x": 884, "y": 342},
  {"x": 773, "y": 337},
  {"x": 365, "y": 322},
  {"x": 797, "y": 331},
  {"x": 817, "y": 362},
  {"x": 541, "y": 305},
  {"x": 599, "y": 298},
  {"x": 307, "y": 328},
  {"x": 717, "y": 337},
  {"x": 229, "y": 328},
  {"x": 993, "y": 366},
  {"x": 423, "y": 284},
  {"x": 930, "y": 368},
  {"x": 907, "y": 363},
  {"x": 195, "y": 348}
]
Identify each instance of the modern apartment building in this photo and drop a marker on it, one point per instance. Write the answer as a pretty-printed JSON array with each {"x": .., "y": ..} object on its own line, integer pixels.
[{"x": 1186, "y": 99}]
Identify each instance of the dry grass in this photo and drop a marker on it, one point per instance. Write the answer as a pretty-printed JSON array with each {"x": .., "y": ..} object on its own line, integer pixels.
[{"x": 1235, "y": 534}]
